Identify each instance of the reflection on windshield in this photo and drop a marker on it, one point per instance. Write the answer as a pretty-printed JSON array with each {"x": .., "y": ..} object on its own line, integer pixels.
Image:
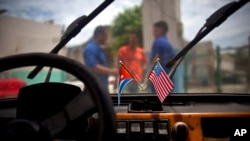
[{"x": 137, "y": 36}]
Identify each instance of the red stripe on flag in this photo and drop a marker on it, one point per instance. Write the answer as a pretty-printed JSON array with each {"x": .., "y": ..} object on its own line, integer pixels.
[{"x": 162, "y": 83}]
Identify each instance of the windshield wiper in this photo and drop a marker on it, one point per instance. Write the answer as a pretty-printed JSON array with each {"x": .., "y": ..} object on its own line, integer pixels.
[
  {"x": 73, "y": 29},
  {"x": 217, "y": 18}
]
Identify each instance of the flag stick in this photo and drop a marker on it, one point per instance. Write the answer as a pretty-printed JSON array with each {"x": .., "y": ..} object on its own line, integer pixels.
[{"x": 157, "y": 59}]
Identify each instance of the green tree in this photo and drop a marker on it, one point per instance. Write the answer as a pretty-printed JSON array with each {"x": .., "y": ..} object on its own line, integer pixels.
[{"x": 130, "y": 19}]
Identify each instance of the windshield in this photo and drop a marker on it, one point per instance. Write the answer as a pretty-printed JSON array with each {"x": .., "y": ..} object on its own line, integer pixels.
[{"x": 132, "y": 40}]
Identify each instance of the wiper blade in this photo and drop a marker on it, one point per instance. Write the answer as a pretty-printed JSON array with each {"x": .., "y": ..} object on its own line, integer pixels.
[
  {"x": 73, "y": 29},
  {"x": 217, "y": 18}
]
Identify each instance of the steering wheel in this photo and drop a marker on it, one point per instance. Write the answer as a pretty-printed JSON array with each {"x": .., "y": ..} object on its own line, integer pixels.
[{"x": 98, "y": 99}]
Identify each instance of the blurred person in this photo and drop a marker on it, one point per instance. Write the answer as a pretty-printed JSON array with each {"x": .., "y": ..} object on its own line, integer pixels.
[
  {"x": 161, "y": 47},
  {"x": 95, "y": 57},
  {"x": 133, "y": 56}
]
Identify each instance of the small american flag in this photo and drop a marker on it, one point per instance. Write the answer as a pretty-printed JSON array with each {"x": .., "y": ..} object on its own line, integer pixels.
[{"x": 162, "y": 83}]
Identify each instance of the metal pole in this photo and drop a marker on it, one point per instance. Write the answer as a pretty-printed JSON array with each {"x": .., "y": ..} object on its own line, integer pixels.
[
  {"x": 248, "y": 66},
  {"x": 218, "y": 70},
  {"x": 186, "y": 61}
]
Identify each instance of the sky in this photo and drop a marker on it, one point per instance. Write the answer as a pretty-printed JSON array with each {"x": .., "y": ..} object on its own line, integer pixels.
[{"x": 233, "y": 32}]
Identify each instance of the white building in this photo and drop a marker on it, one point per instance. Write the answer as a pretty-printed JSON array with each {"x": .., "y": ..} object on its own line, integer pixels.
[
  {"x": 22, "y": 35},
  {"x": 25, "y": 36},
  {"x": 167, "y": 10}
]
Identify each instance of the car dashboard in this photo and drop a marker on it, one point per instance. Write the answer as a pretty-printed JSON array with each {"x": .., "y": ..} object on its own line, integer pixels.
[
  {"x": 189, "y": 117},
  {"x": 138, "y": 117},
  {"x": 182, "y": 117}
]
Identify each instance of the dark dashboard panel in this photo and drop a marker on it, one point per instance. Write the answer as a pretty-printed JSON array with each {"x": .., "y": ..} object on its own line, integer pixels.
[
  {"x": 194, "y": 108},
  {"x": 196, "y": 117},
  {"x": 184, "y": 98}
]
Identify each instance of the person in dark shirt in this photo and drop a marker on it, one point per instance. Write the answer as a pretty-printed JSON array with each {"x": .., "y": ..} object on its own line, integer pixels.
[
  {"x": 162, "y": 48},
  {"x": 95, "y": 57}
]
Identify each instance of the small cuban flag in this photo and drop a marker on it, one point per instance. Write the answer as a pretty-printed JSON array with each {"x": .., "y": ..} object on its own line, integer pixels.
[{"x": 124, "y": 78}]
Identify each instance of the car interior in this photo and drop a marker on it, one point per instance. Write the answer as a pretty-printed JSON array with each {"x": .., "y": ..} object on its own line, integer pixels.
[{"x": 57, "y": 111}]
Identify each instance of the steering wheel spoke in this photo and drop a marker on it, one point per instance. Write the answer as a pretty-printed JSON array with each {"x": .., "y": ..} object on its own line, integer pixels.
[{"x": 71, "y": 111}]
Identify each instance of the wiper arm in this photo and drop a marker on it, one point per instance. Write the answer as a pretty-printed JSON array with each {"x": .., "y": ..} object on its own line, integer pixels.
[
  {"x": 73, "y": 29},
  {"x": 217, "y": 18}
]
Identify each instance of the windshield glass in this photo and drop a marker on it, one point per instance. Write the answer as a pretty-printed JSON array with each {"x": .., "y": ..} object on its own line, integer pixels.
[{"x": 128, "y": 45}]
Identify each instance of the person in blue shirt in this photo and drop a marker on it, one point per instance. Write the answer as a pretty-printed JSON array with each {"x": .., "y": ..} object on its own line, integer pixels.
[
  {"x": 161, "y": 48},
  {"x": 95, "y": 57}
]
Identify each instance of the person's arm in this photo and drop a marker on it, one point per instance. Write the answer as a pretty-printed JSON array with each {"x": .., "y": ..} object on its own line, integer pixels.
[
  {"x": 117, "y": 58},
  {"x": 104, "y": 70}
]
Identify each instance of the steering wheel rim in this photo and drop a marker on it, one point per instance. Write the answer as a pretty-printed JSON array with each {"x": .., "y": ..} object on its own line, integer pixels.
[{"x": 99, "y": 94}]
